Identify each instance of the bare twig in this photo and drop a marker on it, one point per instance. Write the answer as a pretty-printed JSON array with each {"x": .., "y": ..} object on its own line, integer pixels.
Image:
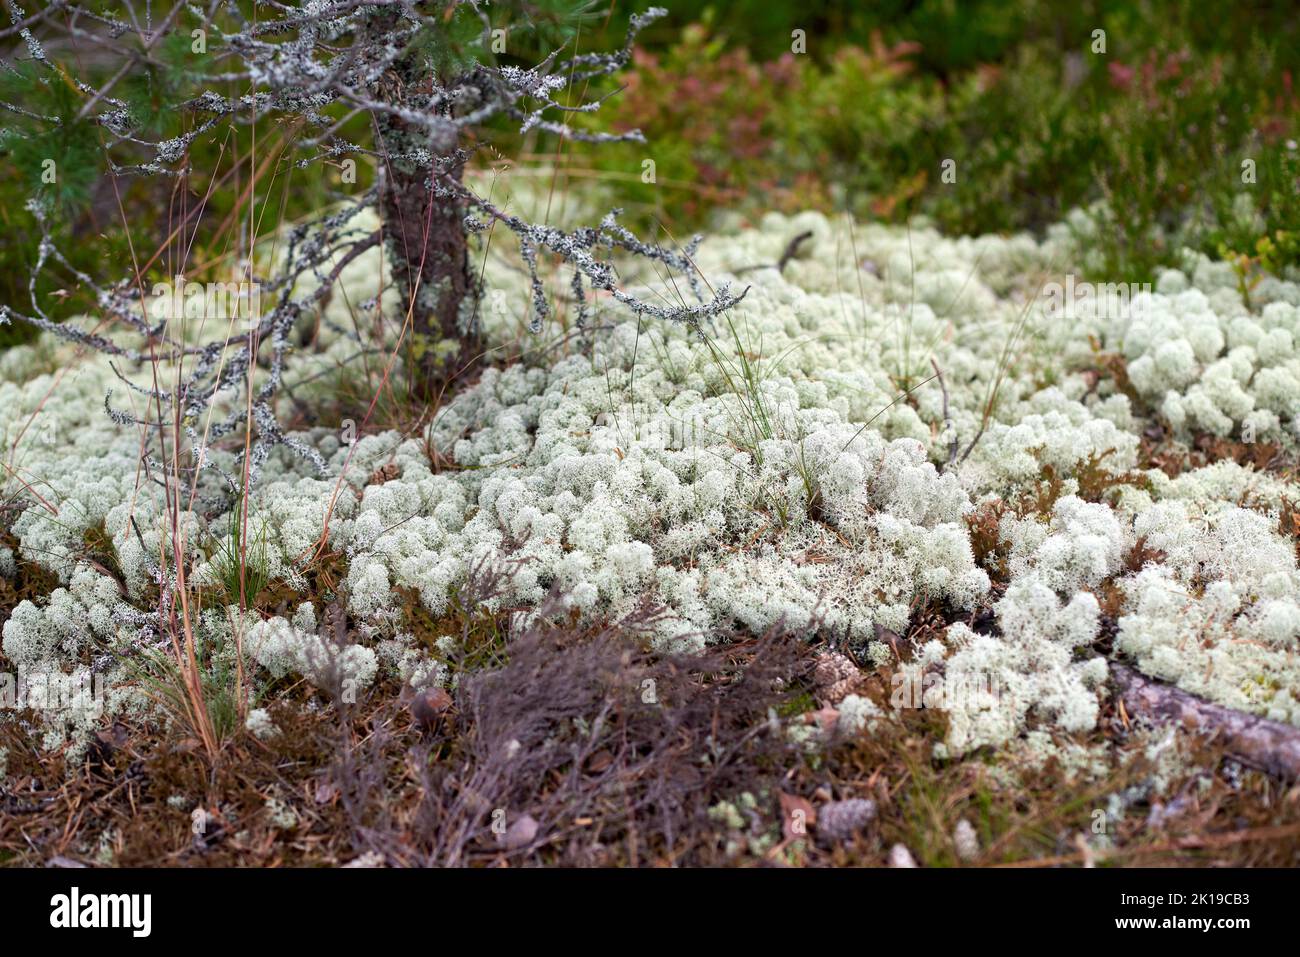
[
  {"x": 947, "y": 420},
  {"x": 791, "y": 250}
]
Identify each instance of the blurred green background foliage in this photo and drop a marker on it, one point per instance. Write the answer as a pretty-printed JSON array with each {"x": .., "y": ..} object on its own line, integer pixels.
[{"x": 757, "y": 105}]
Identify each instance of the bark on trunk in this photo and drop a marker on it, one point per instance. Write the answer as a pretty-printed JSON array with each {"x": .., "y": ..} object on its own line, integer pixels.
[
  {"x": 426, "y": 235},
  {"x": 1267, "y": 745},
  {"x": 430, "y": 257}
]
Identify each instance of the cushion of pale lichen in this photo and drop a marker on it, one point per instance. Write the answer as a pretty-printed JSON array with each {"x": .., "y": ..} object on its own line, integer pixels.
[{"x": 642, "y": 468}]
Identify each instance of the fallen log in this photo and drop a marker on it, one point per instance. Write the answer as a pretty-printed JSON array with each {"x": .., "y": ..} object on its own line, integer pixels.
[{"x": 1266, "y": 745}]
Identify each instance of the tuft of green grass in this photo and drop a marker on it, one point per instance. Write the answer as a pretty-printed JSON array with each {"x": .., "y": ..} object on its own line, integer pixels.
[
  {"x": 163, "y": 680},
  {"x": 240, "y": 559}
]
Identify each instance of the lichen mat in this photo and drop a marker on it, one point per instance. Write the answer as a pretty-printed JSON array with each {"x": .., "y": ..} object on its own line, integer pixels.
[{"x": 790, "y": 463}]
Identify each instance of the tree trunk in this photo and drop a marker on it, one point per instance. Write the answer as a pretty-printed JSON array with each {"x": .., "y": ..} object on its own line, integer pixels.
[
  {"x": 430, "y": 260},
  {"x": 428, "y": 248}
]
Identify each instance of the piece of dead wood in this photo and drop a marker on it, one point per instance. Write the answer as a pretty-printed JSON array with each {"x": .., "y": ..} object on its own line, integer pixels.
[
  {"x": 1257, "y": 742},
  {"x": 791, "y": 250}
]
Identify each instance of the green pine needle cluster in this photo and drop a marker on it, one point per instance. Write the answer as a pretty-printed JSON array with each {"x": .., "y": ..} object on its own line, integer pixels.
[{"x": 60, "y": 137}]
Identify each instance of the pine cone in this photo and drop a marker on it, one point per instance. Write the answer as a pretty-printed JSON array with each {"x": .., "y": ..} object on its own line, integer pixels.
[
  {"x": 836, "y": 677},
  {"x": 966, "y": 840},
  {"x": 385, "y": 473},
  {"x": 840, "y": 820},
  {"x": 900, "y": 856}
]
